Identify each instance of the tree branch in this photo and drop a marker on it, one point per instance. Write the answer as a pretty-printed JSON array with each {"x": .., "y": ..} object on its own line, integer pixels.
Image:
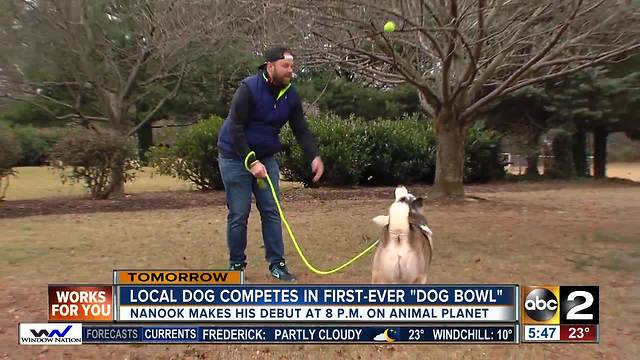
[
  {"x": 545, "y": 50},
  {"x": 498, "y": 60},
  {"x": 493, "y": 95},
  {"x": 77, "y": 115},
  {"x": 451, "y": 45},
  {"x": 161, "y": 102},
  {"x": 405, "y": 69},
  {"x": 472, "y": 68}
]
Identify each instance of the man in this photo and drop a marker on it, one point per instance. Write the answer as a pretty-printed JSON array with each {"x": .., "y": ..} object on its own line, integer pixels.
[{"x": 247, "y": 143}]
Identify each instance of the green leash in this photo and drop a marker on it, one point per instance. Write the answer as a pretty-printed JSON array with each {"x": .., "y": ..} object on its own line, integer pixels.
[{"x": 295, "y": 242}]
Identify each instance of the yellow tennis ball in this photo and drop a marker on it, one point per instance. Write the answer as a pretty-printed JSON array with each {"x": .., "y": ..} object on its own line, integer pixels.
[{"x": 390, "y": 26}]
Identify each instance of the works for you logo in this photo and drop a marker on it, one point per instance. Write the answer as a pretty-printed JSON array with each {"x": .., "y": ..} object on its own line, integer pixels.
[{"x": 50, "y": 334}]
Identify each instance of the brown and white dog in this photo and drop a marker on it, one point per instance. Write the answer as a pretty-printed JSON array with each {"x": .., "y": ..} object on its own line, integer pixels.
[{"x": 406, "y": 246}]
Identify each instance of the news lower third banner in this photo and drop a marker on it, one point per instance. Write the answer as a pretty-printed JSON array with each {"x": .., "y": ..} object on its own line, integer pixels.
[
  {"x": 216, "y": 306},
  {"x": 177, "y": 277},
  {"x": 163, "y": 296},
  {"x": 300, "y": 334},
  {"x": 78, "y": 334},
  {"x": 322, "y": 303}
]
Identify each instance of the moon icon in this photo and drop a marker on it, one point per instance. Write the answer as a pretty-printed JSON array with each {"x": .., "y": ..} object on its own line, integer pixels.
[{"x": 390, "y": 335}]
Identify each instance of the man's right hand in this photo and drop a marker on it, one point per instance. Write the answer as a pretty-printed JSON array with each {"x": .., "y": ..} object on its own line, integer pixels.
[{"x": 258, "y": 170}]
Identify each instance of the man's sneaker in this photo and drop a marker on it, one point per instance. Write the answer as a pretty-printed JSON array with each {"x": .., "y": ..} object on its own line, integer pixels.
[
  {"x": 280, "y": 272},
  {"x": 238, "y": 266}
]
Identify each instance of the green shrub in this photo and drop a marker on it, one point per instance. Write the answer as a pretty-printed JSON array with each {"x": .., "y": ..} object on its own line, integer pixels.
[
  {"x": 401, "y": 152},
  {"x": 31, "y": 112},
  {"x": 193, "y": 157},
  {"x": 354, "y": 151},
  {"x": 36, "y": 143},
  {"x": 344, "y": 147},
  {"x": 482, "y": 154},
  {"x": 9, "y": 156},
  {"x": 384, "y": 152},
  {"x": 95, "y": 158}
]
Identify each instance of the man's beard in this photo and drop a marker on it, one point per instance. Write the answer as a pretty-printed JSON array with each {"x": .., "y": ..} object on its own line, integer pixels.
[{"x": 281, "y": 81}]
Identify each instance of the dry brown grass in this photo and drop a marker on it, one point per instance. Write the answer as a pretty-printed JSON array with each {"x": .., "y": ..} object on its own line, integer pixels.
[
  {"x": 622, "y": 170},
  {"x": 544, "y": 233}
]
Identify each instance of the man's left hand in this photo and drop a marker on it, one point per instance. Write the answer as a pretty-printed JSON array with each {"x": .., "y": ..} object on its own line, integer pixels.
[{"x": 317, "y": 167}]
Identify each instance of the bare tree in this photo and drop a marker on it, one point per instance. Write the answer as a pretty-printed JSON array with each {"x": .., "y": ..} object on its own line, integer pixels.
[
  {"x": 462, "y": 55},
  {"x": 117, "y": 53}
]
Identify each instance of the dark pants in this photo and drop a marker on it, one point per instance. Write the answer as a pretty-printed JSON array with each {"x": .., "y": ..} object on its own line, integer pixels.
[{"x": 239, "y": 185}]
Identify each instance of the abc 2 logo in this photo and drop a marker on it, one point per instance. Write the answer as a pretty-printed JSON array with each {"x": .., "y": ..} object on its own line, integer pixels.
[{"x": 554, "y": 305}]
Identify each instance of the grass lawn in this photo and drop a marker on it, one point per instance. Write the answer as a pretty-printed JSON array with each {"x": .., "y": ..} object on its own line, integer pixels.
[
  {"x": 34, "y": 182},
  {"x": 42, "y": 182}
]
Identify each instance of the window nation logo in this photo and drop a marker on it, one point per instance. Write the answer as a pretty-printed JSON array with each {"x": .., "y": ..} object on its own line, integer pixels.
[{"x": 51, "y": 334}]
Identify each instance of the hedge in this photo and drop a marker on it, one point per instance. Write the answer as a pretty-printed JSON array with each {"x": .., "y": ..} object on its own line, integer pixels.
[{"x": 385, "y": 152}]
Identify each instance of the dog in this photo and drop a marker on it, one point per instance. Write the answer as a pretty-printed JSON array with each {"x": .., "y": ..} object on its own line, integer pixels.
[{"x": 405, "y": 250}]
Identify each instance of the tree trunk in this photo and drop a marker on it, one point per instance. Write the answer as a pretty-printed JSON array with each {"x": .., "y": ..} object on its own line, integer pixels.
[
  {"x": 119, "y": 118},
  {"x": 563, "y": 166},
  {"x": 580, "y": 150},
  {"x": 450, "y": 135},
  {"x": 117, "y": 178},
  {"x": 532, "y": 165},
  {"x": 533, "y": 154},
  {"x": 600, "y": 135},
  {"x": 145, "y": 141}
]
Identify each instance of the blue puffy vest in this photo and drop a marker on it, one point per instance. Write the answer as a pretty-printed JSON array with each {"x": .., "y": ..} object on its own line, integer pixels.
[{"x": 266, "y": 119}]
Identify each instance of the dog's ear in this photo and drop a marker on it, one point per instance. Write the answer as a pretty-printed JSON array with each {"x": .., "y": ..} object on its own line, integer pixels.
[
  {"x": 418, "y": 202},
  {"x": 381, "y": 220}
]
